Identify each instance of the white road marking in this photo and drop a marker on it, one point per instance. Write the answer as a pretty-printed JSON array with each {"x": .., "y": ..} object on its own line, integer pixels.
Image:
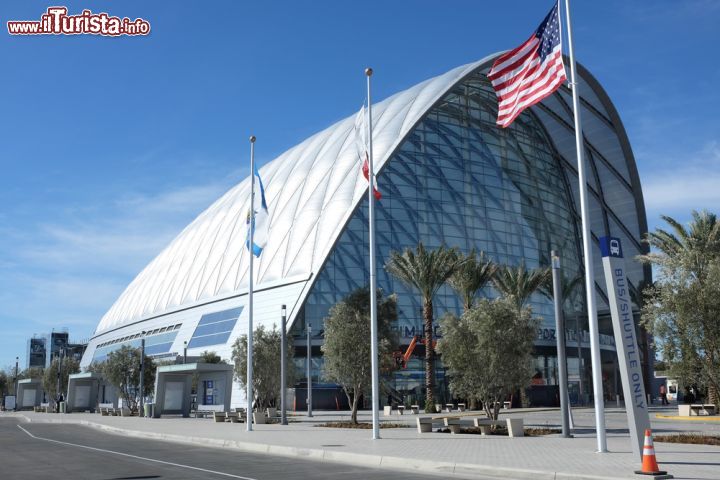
[{"x": 189, "y": 467}]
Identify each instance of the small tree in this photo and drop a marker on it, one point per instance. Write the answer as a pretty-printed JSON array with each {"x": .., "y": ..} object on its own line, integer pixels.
[
  {"x": 4, "y": 382},
  {"x": 266, "y": 365},
  {"x": 122, "y": 370},
  {"x": 347, "y": 343},
  {"x": 488, "y": 351},
  {"x": 32, "y": 372},
  {"x": 50, "y": 378},
  {"x": 210, "y": 357}
]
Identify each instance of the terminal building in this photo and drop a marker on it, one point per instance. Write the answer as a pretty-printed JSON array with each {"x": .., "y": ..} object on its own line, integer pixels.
[{"x": 448, "y": 176}]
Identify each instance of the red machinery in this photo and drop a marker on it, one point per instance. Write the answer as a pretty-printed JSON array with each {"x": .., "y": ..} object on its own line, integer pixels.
[{"x": 402, "y": 359}]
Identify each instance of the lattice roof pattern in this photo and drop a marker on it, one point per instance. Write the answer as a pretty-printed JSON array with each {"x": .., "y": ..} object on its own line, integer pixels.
[{"x": 311, "y": 190}]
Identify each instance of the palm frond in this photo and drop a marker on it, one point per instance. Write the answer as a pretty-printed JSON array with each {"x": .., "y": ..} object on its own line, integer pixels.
[
  {"x": 520, "y": 283},
  {"x": 473, "y": 273}
]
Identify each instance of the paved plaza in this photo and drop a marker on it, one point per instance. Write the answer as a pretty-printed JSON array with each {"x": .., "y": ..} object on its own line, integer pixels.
[{"x": 403, "y": 449}]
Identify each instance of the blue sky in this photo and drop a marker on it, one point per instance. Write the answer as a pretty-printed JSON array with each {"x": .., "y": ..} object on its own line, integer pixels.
[{"x": 110, "y": 146}]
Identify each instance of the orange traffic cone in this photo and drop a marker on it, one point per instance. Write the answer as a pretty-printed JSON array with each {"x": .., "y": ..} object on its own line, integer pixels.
[{"x": 649, "y": 464}]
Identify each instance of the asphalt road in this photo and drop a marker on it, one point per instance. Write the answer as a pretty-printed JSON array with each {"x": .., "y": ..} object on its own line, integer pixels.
[{"x": 32, "y": 451}]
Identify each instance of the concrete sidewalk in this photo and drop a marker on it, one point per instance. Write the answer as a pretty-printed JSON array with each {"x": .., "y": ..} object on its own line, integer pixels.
[{"x": 547, "y": 457}]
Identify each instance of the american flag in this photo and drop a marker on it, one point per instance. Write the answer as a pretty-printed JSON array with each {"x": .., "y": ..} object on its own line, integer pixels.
[{"x": 534, "y": 70}]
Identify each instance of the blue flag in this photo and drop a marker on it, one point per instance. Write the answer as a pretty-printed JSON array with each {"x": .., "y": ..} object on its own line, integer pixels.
[{"x": 260, "y": 227}]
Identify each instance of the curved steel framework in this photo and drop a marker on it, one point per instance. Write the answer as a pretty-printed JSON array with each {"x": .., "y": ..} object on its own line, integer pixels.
[{"x": 428, "y": 133}]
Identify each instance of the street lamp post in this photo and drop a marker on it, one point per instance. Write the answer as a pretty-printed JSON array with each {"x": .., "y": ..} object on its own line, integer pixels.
[
  {"x": 309, "y": 374},
  {"x": 560, "y": 341},
  {"x": 142, "y": 372},
  {"x": 578, "y": 335},
  {"x": 184, "y": 352},
  {"x": 283, "y": 361},
  {"x": 59, "y": 377},
  {"x": 17, "y": 360}
]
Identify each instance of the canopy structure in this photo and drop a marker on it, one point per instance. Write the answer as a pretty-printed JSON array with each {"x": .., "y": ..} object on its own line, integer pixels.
[{"x": 173, "y": 386}]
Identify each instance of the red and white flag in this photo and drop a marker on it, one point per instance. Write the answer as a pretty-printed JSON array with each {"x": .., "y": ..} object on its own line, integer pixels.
[
  {"x": 361, "y": 135},
  {"x": 534, "y": 70}
]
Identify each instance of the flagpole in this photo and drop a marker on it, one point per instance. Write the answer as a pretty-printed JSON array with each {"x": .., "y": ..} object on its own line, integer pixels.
[
  {"x": 251, "y": 239},
  {"x": 373, "y": 287},
  {"x": 587, "y": 252}
]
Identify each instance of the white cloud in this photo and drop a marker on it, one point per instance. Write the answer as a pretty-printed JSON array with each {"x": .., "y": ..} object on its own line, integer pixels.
[
  {"x": 57, "y": 300},
  {"x": 67, "y": 272},
  {"x": 122, "y": 236},
  {"x": 684, "y": 185}
]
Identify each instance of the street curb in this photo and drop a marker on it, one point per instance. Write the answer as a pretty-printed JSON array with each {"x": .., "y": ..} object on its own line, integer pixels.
[
  {"x": 699, "y": 418},
  {"x": 426, "y": 467}
]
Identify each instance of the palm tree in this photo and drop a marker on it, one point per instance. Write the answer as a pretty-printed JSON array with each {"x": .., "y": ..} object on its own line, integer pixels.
[
  {"x": 520, "y": 283},
  {"x": 685, "y": 310},
  {"x": 425, "y": 271},
  {"x": 693, "y": 248},
  {"x": 472, "y": 276}
]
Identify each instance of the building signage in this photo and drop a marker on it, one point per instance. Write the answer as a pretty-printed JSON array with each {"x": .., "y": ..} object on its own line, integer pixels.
[
  {"x": 547, "y": 334},
  {"x": 626, "y": 344}
]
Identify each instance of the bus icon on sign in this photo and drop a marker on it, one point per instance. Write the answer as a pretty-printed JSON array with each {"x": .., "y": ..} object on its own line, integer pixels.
[{"x": 611, "y": 247}]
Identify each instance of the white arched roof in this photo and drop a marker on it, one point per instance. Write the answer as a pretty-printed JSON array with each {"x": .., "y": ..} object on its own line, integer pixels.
[
  {"x": 313, "y": 188},
  {"x": 311, "y": 191}
]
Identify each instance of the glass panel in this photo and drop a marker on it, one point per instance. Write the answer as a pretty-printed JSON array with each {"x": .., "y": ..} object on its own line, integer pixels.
[
  {"x": 218, "y": 327},
  {"x": 220, "y": 316},
  {"x": 216, "y": 339},
  {"x": 459, "y": 180}
]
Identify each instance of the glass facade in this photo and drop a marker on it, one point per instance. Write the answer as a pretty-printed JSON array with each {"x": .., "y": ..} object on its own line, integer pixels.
[
  {"x": 157, "y": 342},
  {"x": 460, "y": 181},
  {"x": 215, "y": 328}
]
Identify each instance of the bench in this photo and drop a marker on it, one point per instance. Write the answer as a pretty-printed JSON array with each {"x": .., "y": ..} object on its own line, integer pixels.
[
  {"x": 109, "y": 412},
  {"x": 424, "y": 424},
  {"x": 453, "y": 423},
  {"x": 203, "y": 411},
  {"x": 699, "y": 409},
  {"x": 388, "y": 409},
  {"x": 514, "y": 425}
]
